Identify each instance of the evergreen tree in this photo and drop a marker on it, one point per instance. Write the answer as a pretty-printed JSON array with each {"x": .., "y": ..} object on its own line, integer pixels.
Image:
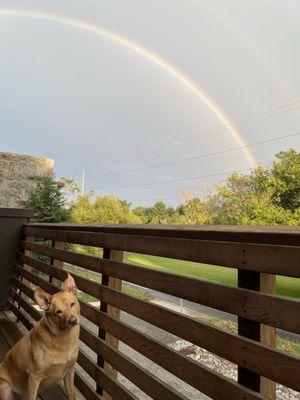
[{"x": 48, "y": 201}]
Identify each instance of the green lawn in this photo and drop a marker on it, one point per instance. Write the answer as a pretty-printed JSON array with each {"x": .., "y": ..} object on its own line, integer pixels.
[
  {"x": 285, "y": 286},
  {"x": 227, "y": 276}
]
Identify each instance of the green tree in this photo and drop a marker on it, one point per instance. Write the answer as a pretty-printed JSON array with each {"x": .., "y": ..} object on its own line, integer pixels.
[
  {"x": 48, "y": 201},
  {"x": 285, "y": 180},
  {"x": 266, "y": 196},
  {"x": 71, "y": 188},
  {"x": 104, "y": 209},
  {"x": 141, "y": 213},
  {"x": 192, "y": 211},
  {"x": 159, "y": 213}
]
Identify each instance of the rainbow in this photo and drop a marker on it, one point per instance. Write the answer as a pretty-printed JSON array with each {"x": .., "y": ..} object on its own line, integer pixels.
[
  {"x": 148, "y": 54},
  {"x": 229, "y": 24}
]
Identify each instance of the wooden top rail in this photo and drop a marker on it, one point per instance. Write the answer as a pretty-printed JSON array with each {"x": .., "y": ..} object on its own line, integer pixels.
[
  {"x": 248, "y": 234},
  {"x": 267, "y": 258}
]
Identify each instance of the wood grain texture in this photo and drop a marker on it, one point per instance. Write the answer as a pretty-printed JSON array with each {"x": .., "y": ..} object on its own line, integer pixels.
[
  {"x": 268, "y": 335},
  {"x": 247, "y": 353},
  {"x": 113, "y": 283},
  {"x": 103, "y": 379},
  {"x": 267, "y": 258},
  {"x": 257, "y": 253},
  {"x": 57, "y": 262},
  {"x": 202, "y": 378},
  {"x": 269, "y": 309},
  {"x": 143, "y": 379},
  {"x": 236, "y": 233}
]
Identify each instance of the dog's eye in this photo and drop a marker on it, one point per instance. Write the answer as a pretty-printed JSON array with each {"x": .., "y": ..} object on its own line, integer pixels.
[
  {"x": 72, "y": 304},
  {"x": 58, "y": 311}
]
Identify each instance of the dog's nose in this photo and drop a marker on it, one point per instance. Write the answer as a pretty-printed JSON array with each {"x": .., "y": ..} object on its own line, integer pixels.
[{"x": 73, "y": 321}]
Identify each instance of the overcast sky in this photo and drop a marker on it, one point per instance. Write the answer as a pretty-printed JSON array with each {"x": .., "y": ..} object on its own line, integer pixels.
[{"x": 90, "y": 102}]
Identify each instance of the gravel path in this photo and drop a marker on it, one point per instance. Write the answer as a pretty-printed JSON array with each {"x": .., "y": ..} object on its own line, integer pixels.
[
  {"x": 208, "y": 359},
  {"x": 164, "y": 337}
]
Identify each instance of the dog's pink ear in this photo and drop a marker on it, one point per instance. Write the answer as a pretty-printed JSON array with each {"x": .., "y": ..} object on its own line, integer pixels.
[
  {"x": 70, "y": 285},
  {"x": 42, "y": 298}
]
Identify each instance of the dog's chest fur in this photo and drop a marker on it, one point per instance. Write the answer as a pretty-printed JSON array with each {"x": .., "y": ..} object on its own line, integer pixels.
[{"x": 56, "y": 358}]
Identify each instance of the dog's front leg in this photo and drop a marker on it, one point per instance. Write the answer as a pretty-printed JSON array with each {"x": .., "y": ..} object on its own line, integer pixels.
[
  {"x": 5, "y": 391},
  {"x": 32, "y": 388},
  {"x": 69, "y": 384}
]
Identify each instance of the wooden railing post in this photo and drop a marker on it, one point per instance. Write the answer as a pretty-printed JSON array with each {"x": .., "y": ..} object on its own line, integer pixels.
[
  {"x": 57, "y": 263},
  {"x": 114, "y": 283},
  {"x": 265, "y": 334},
  {"x": 268, "y": 335}
]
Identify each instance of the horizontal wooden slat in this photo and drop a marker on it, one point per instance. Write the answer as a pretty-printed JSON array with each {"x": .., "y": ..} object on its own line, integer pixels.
[
  {"x": 85, "y": 388},
  {"x": 21, "y": 317},
  {"x": 271, "y": 310},
  {"x": 248, "y": 256},
  {"x": 33, "y": 312},
  {"x": 110, "y": 385},
  {"x": 249, "y": 354},
  {"x": 136, "y": 374},
  {"x": 82, "y": 386},
  {"x": 205, "y": 380},
  {"x": 200, "y": 377},
  {"x": 84, "y": 238},
  {"x": 251, "y": 234},
  {"x": 146, "y": 381}
]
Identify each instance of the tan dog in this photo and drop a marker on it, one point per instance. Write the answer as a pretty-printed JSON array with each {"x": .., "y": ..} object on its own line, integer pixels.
[{"x": 47, "y": 354}]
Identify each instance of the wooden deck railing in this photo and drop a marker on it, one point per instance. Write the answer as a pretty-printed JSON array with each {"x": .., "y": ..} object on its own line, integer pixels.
[{"x": 257, "y": 254}]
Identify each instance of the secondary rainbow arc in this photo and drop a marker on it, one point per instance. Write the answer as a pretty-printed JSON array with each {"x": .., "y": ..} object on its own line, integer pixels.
[{"x": 167, "y": 66}]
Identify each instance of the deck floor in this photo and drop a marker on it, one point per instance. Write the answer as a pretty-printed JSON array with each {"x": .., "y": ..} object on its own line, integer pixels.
[{"x": 10, "y": 333}]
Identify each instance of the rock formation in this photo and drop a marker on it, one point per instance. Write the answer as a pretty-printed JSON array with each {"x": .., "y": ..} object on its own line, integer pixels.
[{"x": 19, "y": 174}]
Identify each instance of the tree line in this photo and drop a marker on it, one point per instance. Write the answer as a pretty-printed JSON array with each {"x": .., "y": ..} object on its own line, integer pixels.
[{"x": 264, "y": 196}]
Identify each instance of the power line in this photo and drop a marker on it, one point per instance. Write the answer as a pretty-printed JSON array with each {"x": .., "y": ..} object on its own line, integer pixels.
[
  {"x": 173, "y": 180},
  {"x": 155, "y": 199},
  {"x": 201, "y": 156},
  {"x": 242, "y": 122},
  {"x": 212, "y": 132}
]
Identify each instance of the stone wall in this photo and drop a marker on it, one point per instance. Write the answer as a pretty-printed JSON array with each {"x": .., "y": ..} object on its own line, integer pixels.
[{"x": 19, "y": 174}]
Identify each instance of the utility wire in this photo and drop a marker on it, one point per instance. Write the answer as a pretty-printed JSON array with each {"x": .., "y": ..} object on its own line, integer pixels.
[
  {"x": 201, "y": 156},
  {"x": 173, "y": 180},
  {"x": 223, "y": 129}
]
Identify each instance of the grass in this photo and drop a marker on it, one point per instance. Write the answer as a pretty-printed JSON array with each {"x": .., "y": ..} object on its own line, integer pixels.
[
  {"x": 97, "y": 278},
  {"x": 285, "y": 286},
  {"x": 226, "y": 276}
]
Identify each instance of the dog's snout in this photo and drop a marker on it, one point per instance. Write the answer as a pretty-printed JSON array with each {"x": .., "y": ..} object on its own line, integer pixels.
[{"x": 72, "y": 321}]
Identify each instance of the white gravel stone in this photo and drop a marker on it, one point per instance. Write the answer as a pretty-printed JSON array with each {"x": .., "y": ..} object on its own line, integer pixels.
[{"x": 224, "y": 367}]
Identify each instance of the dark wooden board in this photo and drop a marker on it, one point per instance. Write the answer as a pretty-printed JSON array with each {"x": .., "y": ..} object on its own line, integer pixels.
[
  {"x": 143, "y": 379},
  {"x": 271, "y": 310},
  {"x": 12, "y": 335},
  {"x": 213, "y": 384},
  {"x": 249, "y": 256},
  {"x": 251, "y": 234},
  {"x": 247, "y": 353}
]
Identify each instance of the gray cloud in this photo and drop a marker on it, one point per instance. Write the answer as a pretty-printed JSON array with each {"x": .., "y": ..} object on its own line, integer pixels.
[{"x": 90, "y": 103}]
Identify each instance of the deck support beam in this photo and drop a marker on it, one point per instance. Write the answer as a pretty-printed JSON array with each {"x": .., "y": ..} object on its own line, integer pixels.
[
  {"x": 264, "y": 334},
  {"x": 113, "y": 283}
]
